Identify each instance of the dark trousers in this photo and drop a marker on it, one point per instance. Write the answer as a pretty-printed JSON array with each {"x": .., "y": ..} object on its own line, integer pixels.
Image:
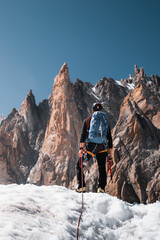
[{"x": 101, "y": 159}]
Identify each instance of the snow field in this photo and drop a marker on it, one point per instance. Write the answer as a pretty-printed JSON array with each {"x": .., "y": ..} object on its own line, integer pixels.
[{"x": 52, "y": 212}]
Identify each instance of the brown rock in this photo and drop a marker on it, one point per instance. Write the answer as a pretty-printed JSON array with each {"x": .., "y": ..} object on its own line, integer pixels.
[
  {"x": 29, "y": 112},
  {"x": 153, "y": 188},
  {"x": 148, "y": 102},
  {"x": 16, "y": 154},
  {"x": 21, "y": 137},
  {"x": 142, "y": 74},
  {"x": 136, "y": 143},
  {"x": 50, "y": 134},
  {"x": 112, "y": 95},
  {"x": 136, "y": 70},
  {"x": 56, "y": 164}
]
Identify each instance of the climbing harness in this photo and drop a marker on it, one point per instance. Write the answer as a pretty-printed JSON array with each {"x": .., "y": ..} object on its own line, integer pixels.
[
  {"x": 109, "y": 161},
  {"x": 93, "y": 155}
]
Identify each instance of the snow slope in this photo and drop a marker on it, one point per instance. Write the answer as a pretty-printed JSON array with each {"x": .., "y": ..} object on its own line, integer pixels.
[
  {"x": 130, "y": 86},
  {"x": 52, "y": 212}
]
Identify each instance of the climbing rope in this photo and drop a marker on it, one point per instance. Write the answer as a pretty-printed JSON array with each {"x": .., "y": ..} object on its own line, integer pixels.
[{"x": 81, "y": 165}]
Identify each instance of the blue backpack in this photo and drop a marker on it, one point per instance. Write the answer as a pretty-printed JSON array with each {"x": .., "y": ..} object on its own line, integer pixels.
[{"x": 98, "y": 128}]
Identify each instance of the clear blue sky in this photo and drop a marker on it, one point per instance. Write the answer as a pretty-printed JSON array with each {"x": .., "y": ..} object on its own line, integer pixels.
[{"x": 95, "y": 37}]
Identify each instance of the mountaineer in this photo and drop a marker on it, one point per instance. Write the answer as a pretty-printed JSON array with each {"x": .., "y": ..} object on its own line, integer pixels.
[{"x": 95, "y": 141}]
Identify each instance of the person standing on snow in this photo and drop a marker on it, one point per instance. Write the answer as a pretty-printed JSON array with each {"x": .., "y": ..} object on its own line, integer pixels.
[{"x": 96, "y": 138}]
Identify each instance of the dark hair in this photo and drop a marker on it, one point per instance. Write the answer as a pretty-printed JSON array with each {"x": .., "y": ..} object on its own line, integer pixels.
[{"x": 97, "y": 106}]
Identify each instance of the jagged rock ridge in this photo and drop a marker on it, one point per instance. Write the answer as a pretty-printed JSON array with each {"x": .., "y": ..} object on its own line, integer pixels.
[
  {"x": 136, "y": 143},
  {"x": 139, "y": 76},
  {"x": 21, "y": 137},
  {"x": 41, "y": 142},
  {"x": 56, "y": 162}
]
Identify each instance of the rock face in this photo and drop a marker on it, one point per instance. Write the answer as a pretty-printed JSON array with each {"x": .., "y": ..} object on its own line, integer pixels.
[
  {"x": 136, "y": 137},
  {"x": 139, "y": 76},
  {"x": 56, "y": 164},
  {"x": 106, "y": 91},
  {"x": 111, "y": 95},
  {"x": 136, "y": 144},
  {"x": 39, "y": 144},
  {"x": 19, "y": 141}
]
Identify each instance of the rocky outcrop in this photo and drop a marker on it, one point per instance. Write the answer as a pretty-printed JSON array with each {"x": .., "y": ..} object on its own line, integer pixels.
[
  {"x": 16, "y": 154},
  {"x": 148, "y": 101},
  {"x": 40, "y": 143},
  {"x": 139, "y": 76},
  {"x": 111, "y": 95},
  {"x": 70, "y": 105},
  {"x": 21, "y": 137},
  {"x": 56, "y": 164},
  {"x": 106, "y": 91},
  {"x": 136, "y": 144},
  {"x": 85, "y": 97}
]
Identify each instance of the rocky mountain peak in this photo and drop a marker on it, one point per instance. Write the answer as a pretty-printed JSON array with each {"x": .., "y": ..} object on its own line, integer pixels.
[
  {"x": 136, "y": 143},
  {"x": 45, "y": 138},
  {"x": 64, "y": 69},
  {"x": 136, "y": 70},
  {"x": 112, "y": 95},
  {"x": 63, "y": 76},
  {"x": 29, "y": 112},
  {"x": 28, "y": 102},
  {"x": 139, "y": 75},
  {"x": 62, "y": 133}
]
